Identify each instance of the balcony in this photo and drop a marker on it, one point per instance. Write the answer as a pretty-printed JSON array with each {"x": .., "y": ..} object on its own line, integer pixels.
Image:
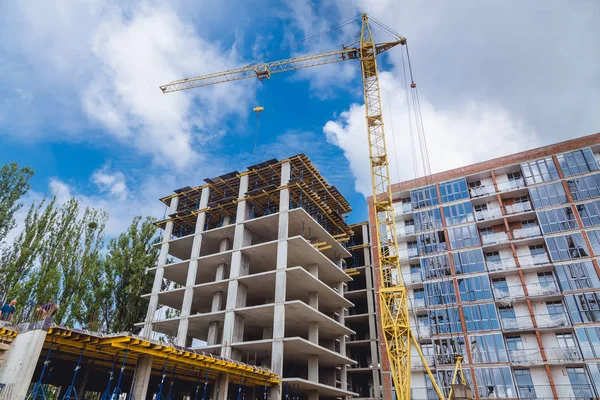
[
  {"x": 533, "y": 260},
  {"x": 552, "y": 320},
  {"x": 518, "y": 208},
  {"x": 480, "y": 191},
  {"x": 564, "y": 392},
  {"x": 423, "y": 393},
  {"x": 416, "y": 304},
  {"x": 503, "y": 264},
  {"x": 523, "y": 357},
  {"x": 422, "y": 332},
  {"x": 509, "y": 296},
  {"x": 542, "y": 289},
  {"x": 517, "y": 323},
  {"x": 484, "y": 215},
  {"x": 413, "y": 277},
  {"x": 405, "y": 208},
  {"x": 494, "y": 238},
  {"x": 405, "y": 230},
  {"x": 405, "y": 254},
  {"x": 511, "y": 185},
  {"x": 528, "y": 232},
  {"x": 416, "y": 363},
  {"x": 563, "y": 354}
]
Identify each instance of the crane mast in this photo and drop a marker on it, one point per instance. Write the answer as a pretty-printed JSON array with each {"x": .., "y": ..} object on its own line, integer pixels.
[{"x": 393, "y": 300}]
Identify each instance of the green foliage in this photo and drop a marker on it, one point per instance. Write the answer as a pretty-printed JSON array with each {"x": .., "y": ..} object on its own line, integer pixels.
[
  {"x": 60, "y": 255},
  {"x": 14, "y": 183},
  {"x": 125, "y": 265}
]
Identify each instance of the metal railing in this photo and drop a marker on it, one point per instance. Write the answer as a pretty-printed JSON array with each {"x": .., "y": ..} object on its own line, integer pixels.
[
  {"x": 542, "y": 289},
  {"x": 491, "y": 213},
  {"x": 525, "y": 356},
  {"x": 503, "y": 264},
  {"x": 413, "y": 277},
  {"x": 511, "y": 185},
  {"x": 511, "y": 293},
  {"x": 552, "y": 320},
  {"x": 517, "y": 323},
  {"x": 533, "y": 260},
  {"x": 403, "y": 209},
  {"x": 563, "y": 354},
  {"x": 518, "y": 208},
  {"x": 482, "y": 191},
  {"x": 493, "y": 238},
  {"x": 405, "y": 230},
  {"x": 416, "y": 304},
  {"x": 528, "y": 232},
  {"x": 405, "y": 254},
  {"x": 417, "y": 363},
  {"x": 539, "y": 392},
  {"x": 422, "y": 331}
]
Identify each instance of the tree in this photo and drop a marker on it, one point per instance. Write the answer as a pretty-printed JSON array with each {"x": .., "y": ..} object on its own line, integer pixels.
[
  {"x": 18, "y": 260},
  {"x": 14, "y": 184},
  {"x": 129, "y": 256}
]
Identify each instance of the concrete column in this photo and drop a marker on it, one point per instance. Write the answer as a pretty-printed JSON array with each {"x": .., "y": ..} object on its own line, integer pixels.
[
  {"x": 192, "y": 269},
  {"x": 313, "y": 368},
  {"x": 160, "y": 271},
  {"x": 232, "y": 325},
  {"x": 313, "y": 300},
  {"x": 313, "y": 332},
  {"x": 313, "y": 395},
  {"x": 217, "y": 304},
  {"x": 344, "y": 376},
  {"x": 19, "y": 364},
  {"x": 314, "y": 270},
  {"x": 143, "y": 373},
  {"x": 280, "y": 276},
  {"x": 221, "y": 391}
]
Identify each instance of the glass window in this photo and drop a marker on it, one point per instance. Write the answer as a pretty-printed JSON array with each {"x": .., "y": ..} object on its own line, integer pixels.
[
  {"x": 539, "y": 171},
  {"x": 488, "y": 348},
  {"x": 445, "y": 320},
  {"x": 507, "y": 312},
  {"x": 436, "y": 266},
  {"x": 589, "y": 341},
  {"x": 431, "y": 242},
  {"x": 594, "y": 237},
  {"x": 481, "y": 317},
  {"x": 454, "y": 190},
  {"x": 495, "y": 383},
  {"x": 500, "y": 285},
  {"x": 586, "y": 187},
  {"x": 475, "y": 288},
  {"x": 447, "y": 349},
  {"x": 566, "y": 247},
  {"x": 555, "y": 309},
  {"x": 468, "y": 262},
  {"x": 424, "y": 197},
  {"x": 577, "y": 162},
  {"x": 463, "y": 236},
  {"x": 557, "y": 220},
  {"x": 525, "y": 384},
  {"x": 577, "y": 276},
  {"x": 548, "y": 195},
  {"x": 460, "y": 213},
  {"x": 579, "y": 383},
  {"x": 441, "y": 292},
  {"x": 430, "y": 219},
  {"x": 594, "y": 369},
  {"x": 590, "y": 213},
  {"x": 584, "y": 307},
  {"x": 514, "y": 343}
]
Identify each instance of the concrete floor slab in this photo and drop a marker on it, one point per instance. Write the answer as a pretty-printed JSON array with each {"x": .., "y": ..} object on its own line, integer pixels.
[
  {"x": 357, "y": 318},
  {"x": 301, "y": 223},
  {"x": 296, "y": 350},
  {"x": 206, "y": 271},
  {"x": 181, "y": 247},
  {"x": 299, "y": 283},
  {"x": 325, "y": 391}
]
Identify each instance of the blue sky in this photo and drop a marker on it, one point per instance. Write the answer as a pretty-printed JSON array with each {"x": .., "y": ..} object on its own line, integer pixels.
[{"x": 79, "y": 97}]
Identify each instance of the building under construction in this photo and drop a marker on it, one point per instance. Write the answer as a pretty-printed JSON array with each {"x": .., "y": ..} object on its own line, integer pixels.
[{"x": 255, "y": 268}]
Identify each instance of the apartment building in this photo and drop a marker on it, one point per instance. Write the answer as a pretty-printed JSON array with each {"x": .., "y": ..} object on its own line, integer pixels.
[
  {"x": 501, "y": 261},
  {"x": 253, "y": 262}
]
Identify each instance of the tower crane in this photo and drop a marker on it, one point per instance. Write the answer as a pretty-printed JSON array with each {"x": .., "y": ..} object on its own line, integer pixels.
[{"x": 394, "y": 316}]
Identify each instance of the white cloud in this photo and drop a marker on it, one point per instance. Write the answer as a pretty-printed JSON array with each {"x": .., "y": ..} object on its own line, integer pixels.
[
  {"x": 111, "y": 182},
  {"x": 456, "y": 136},
  {"x": 104, "y": 62}
]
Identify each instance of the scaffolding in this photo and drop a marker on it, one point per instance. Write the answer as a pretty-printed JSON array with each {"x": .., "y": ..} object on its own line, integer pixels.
[{"x": 307, "y": 187}]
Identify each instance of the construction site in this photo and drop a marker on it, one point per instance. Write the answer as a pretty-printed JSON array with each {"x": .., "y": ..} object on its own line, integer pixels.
[{"x": 264, "y": 290}]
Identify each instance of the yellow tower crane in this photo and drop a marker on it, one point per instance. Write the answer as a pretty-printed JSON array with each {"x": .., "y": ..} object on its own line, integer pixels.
[{"x": 395, "y": 323}]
